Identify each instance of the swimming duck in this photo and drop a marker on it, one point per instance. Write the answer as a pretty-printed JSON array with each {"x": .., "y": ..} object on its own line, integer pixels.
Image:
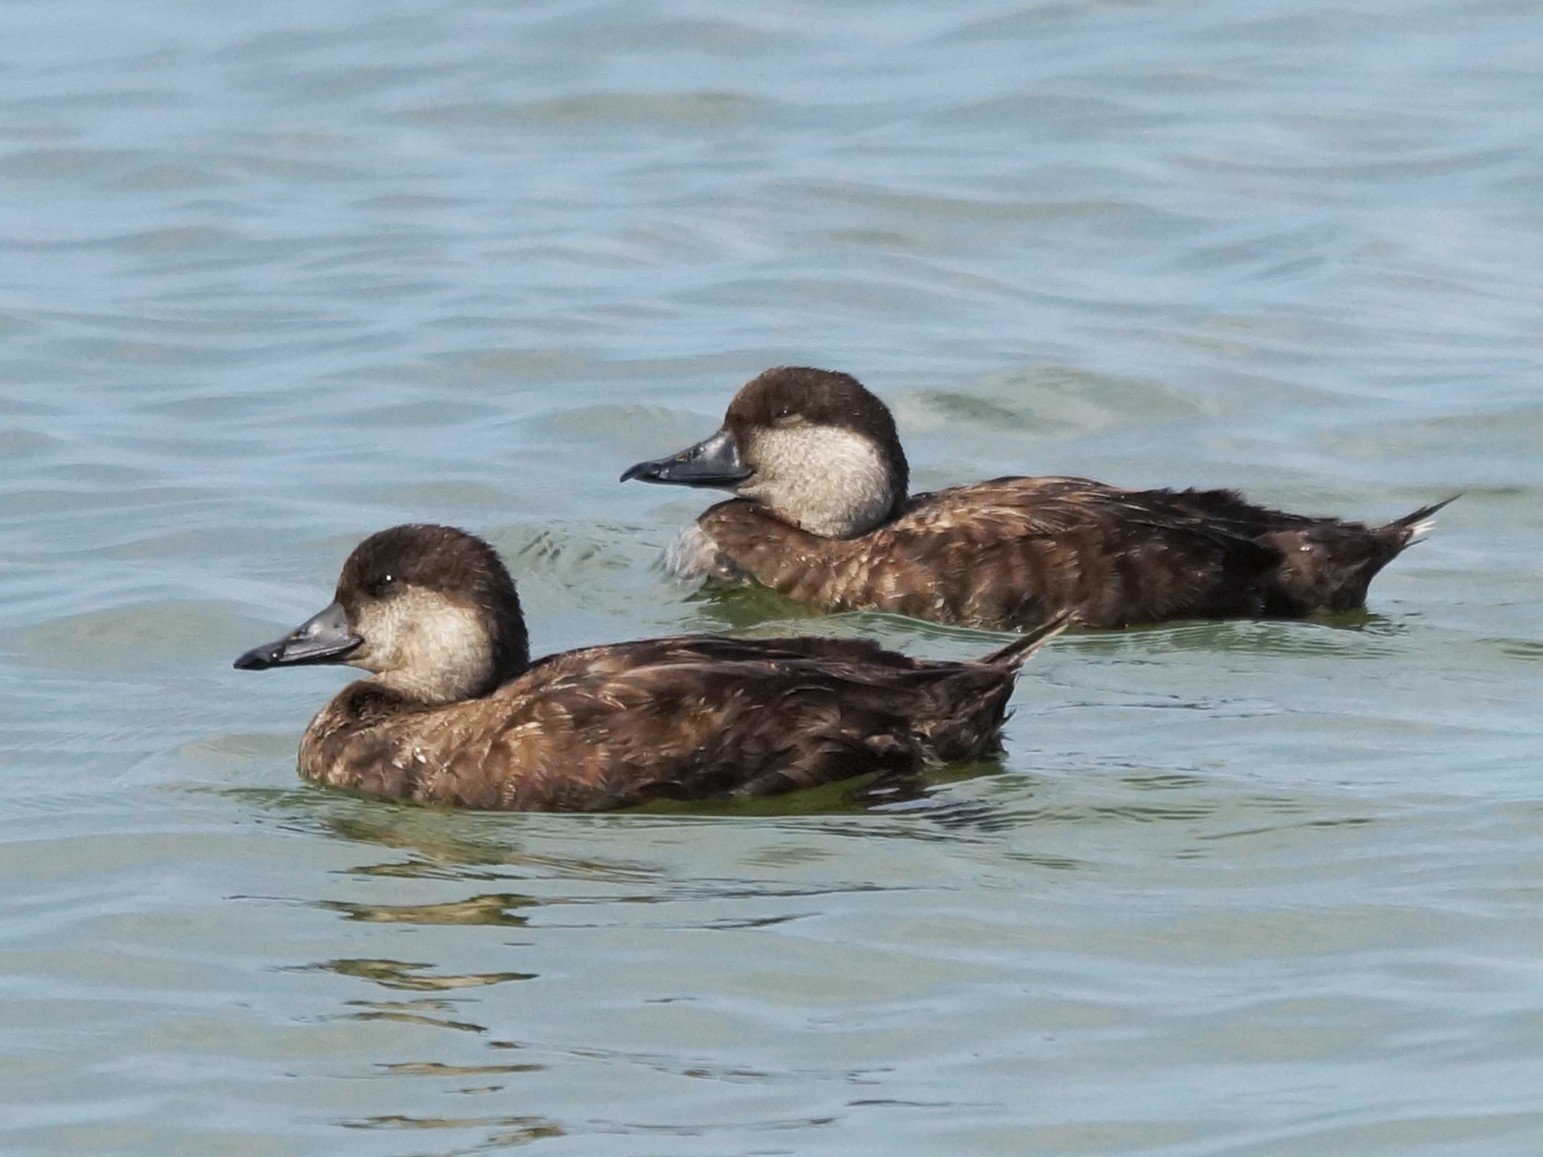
[
  {"x": 454, "y": 712},
  {"x": 822, "y": 515}
]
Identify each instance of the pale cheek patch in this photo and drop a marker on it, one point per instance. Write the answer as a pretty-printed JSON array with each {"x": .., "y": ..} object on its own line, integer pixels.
[
  {"x": 829, "y": 481},
  {"x": 426, "y": 646}
]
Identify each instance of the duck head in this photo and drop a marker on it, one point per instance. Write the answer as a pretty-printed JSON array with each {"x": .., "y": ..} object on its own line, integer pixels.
[
  {"x": 812, "y": 446},
  {"x": 429, "y": 611}
]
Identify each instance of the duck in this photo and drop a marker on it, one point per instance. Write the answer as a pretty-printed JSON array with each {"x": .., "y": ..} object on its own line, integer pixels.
[
  {"x": 453, "y": 711},
  {"x": 822, "y": 514}
]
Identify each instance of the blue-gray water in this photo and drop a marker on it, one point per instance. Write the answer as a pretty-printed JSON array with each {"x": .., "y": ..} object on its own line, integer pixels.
[{"x": 276, "y": 275}]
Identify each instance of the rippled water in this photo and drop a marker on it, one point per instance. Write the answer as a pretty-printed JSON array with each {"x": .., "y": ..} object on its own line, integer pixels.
[{"x": 274, "y": 276}]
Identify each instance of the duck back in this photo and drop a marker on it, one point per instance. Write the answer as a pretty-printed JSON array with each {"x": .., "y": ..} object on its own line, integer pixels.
[
  {"x": 675, "y": 718},
  {"x": 1014, "y": 552}
]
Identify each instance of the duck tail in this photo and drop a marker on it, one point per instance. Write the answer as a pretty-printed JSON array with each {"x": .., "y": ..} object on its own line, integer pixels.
[
  {"x": 1417, "y": 523},
  {"x": 1016, "y": 653}
]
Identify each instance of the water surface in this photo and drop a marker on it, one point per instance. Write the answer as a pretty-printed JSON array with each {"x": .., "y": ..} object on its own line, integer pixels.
[{"x": 276, "y": 276}]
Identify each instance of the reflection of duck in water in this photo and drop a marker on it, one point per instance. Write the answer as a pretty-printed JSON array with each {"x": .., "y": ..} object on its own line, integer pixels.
[
  {"x": 821, "y": 514},
  {"x": 454, "y": 711}
]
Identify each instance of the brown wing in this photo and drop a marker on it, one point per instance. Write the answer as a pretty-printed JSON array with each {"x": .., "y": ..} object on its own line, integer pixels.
[
  {"x": 690, "y": 717},
  {"x": 1014, "y": 552}
]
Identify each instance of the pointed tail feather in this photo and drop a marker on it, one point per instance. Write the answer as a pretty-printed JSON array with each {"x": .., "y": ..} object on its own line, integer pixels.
[
  {"x": 1418, "y": 523},
  {"x": 1017, "y": 652}
]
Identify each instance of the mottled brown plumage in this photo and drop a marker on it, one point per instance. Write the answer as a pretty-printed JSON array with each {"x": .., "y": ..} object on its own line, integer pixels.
[
  {"x": 823, "y": 517},
  {"x": 446, "y": 717}
]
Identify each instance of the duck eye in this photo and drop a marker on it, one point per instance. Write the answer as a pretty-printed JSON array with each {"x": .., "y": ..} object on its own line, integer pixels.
[{"x": 383, "y": 586}]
